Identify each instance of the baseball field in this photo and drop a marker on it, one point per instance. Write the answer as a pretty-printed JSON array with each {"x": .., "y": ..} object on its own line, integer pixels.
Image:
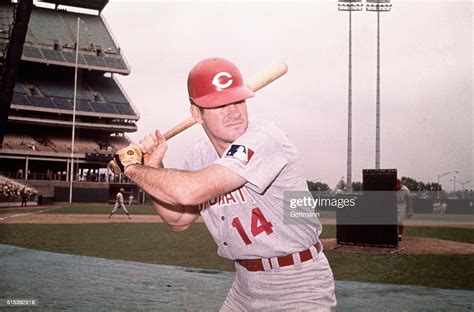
[{"x": 437, "y": 250}]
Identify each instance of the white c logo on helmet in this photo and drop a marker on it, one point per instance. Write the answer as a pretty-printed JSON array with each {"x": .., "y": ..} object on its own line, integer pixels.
[{"x": 219, "y": 85}]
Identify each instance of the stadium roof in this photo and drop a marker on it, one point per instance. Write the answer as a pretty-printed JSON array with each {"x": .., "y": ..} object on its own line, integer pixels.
[{"x": 87, "y": 4}]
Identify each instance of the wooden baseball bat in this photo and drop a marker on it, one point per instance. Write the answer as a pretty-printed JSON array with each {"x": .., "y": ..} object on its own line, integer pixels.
[{"x": 256, "y": 83}]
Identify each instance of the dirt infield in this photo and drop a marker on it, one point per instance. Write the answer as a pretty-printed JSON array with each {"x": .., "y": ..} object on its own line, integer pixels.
[{"x": 43, "y": 218}]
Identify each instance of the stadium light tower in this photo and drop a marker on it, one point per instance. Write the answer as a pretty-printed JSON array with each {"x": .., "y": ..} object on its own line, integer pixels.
[
  {"x": 349, "y": 5},
  {"x": 442, "y": 175},
  {"x": 378, "y": 6},
  {"x": 462, "y": 186},
  {"x": 71, "y": 173}
]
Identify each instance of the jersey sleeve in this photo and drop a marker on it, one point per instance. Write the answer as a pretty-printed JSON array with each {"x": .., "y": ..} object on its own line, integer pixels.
[
  {"x": 257, "y": 157},
  {"x": 201, "y": 155}
]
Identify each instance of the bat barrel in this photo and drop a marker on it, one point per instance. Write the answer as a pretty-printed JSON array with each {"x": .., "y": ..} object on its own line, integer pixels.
[{"x": 268, "y": 76}]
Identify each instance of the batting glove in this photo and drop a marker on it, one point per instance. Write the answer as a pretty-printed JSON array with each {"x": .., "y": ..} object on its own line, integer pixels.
[{"x": 130, "y": 155}]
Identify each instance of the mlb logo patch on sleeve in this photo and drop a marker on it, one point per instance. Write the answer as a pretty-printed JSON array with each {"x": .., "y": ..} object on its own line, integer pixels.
[{"x": 240, "y": 153}]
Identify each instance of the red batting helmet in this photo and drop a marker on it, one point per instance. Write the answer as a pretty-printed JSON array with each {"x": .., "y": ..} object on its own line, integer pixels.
[{"x": 215, "y": 82}]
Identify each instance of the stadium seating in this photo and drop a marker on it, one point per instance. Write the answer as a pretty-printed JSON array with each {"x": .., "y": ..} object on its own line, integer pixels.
[
  {"x": 59, "y": 94},
  {"x": 81, "y": 145},
  {"x": 19, "y": 88},
  {"x": 32, "y": 52},
  {"x": 43, "y": 23},
  {"x": 40, "y": 101},
  {"x": 40, "y": 120},
  {"x": 83, "y": 105},
  {"x": 53, "y": 55},
  {"x": 104, "y": 108},
  {"x": 64, "y": 104},
  {"x": 52, "y": 37},
  {"x": 11, "y": 190},
  {"x": 100, "y": 35},
  {"x": 21, "y": 99},
  {"x": 61, "y": 88},
  {"x": 6, "y": 17},
  {"x": 108, "y": 88},
  {"x": 20, "y": 141},
  {"x": 124, "y": 109},
  {"x": 71, "y": 57}
]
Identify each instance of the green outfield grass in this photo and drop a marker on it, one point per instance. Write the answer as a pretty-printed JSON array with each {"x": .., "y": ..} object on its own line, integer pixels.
[
  {"x": 440, "y": 271},
  {"x": 156, "y": 243},
  {"x": 462, "y": 235},
  {"x": 103, "y": 209},
  {"x": 441, "y": 218}
]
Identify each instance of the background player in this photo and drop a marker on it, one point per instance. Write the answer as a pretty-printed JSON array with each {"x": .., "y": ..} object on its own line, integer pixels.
[
  {"x": 404, "y": 206},
  {"x": 119, "y": 203}
]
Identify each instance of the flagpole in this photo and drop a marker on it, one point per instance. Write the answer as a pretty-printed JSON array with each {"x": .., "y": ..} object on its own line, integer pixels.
[{"x": 71, "y": 172}]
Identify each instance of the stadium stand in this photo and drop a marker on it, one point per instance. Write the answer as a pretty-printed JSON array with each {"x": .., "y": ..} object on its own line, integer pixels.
[
  {"x": 109, "y": 88},
  {"x": 42, "y": 102},
  {"x": 38, "y": 141},
  {"x": 21, "y": 99},
  {"x": 43, "y": 28},
  {"x": 11, "y": 191},
  {"x": 51, "y": 39},
  {"x": 63, "y": 104},
  {"x": 95, "y": 93}
]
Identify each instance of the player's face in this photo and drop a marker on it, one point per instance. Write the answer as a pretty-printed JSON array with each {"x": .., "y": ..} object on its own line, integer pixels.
[{"x": 226, "y": 123}]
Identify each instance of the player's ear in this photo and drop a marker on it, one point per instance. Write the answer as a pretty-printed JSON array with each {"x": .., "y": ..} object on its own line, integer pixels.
[{"x": 196, "y": 113}]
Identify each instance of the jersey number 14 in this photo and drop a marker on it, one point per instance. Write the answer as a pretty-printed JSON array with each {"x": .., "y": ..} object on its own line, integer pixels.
[{"x": 258, "y": 225}]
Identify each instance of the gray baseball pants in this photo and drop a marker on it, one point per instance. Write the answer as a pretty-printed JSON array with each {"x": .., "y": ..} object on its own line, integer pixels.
[{"x": 305, "y": 286}]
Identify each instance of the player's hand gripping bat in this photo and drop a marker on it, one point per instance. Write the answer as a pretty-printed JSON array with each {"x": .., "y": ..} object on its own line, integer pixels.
[{"x": 133, "y": 154}]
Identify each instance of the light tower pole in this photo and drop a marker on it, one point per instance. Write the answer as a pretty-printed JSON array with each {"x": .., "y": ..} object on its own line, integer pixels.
[
  {"x": 462, "y": 186},
  {"x": 378, "y": 6},
  {"x": 442, "y": 175},
  {"x": 349, "y": 5}
]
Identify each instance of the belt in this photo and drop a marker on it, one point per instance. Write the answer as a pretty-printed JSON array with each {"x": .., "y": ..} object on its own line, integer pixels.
[{"x": 255, "y": 265}]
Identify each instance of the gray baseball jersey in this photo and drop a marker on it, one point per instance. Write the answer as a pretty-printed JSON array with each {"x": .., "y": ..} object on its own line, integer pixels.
[
  {"x": 249, "y": 222},
  {"x": 119, "y": 198},
  {"x": 403, "y": 198},
  {"x": 119, "y": 204}
]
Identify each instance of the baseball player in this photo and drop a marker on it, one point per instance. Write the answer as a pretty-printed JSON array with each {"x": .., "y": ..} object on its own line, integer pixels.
[
  {"x": 404, "y": 207},
  {"x": 235, "y": 179},
  {"x": 119, "y": 203}
]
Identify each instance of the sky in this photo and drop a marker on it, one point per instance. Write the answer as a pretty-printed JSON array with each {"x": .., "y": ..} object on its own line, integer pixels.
[{"x": 426, "y": 78}]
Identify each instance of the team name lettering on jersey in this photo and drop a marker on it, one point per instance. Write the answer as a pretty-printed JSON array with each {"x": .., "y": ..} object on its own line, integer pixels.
[{"x": 239, "y": 196}]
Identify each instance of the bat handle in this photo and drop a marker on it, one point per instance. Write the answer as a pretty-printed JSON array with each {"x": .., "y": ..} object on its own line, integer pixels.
[{"x": 179, "y": 128}]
